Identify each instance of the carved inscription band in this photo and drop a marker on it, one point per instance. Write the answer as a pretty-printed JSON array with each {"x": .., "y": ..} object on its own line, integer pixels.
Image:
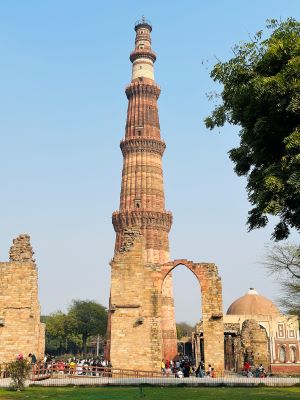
[
  {"x": 137, "y": 88},
  {"x": 142, "y": 145},
  {"x": 143, "y": 219}
]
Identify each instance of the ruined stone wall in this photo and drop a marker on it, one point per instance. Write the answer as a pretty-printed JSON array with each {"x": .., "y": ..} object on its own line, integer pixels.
[
  {"x": 20, "y": 329},
  {"x": 254, "y": 344},
  {"x": 135, "y": 308},
  {"x": 280, "y": 330}
]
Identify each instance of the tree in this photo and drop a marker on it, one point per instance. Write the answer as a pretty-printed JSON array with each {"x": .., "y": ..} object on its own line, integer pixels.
[
  {"x": 89, "y": 319},
  {"x": 184, "y": 329},
  {"x": 261, "y": 94},
  {"x": 60, "y": 334},
  {"x": 284, "y": 261}
]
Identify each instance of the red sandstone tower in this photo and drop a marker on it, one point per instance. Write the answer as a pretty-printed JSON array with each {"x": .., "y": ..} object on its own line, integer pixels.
[{"x": 142, "y": 199}]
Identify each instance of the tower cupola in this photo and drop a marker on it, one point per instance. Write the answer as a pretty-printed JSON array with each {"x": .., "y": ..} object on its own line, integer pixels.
[{"x": 143, "y": 57}]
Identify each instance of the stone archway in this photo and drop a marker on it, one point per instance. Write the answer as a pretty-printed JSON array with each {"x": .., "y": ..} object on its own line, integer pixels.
[
  {"x": 212, "y": 310},
  {"x": 135, "y": 311}
]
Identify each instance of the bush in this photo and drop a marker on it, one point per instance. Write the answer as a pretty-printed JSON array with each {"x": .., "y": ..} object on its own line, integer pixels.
[{"x": 19, "y": 371}]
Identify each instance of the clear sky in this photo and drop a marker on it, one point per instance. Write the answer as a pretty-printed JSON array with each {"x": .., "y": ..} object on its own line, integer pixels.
[{"x": 64, "y": 67}]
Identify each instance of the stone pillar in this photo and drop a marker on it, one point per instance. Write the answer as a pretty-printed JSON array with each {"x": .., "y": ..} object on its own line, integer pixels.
[
  {"x": 167, "y": 320},
  {"x": 229, "y": 352},
  {"x": 197, "y": 349},
  {"x": 212, "y": 317}
]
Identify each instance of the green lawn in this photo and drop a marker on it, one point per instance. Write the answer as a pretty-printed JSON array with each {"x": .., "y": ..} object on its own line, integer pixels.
[{"x": 151, "y": 393}]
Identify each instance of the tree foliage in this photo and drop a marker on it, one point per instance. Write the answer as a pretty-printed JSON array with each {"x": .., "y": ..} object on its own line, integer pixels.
[
  {"x": 284, "y": 262},
  {"x": 89, "y": 319},
  {"x": 69, "y": 333},
  {"x": 261, "y": 94},
  {"x": 60, "y": 334},
  {"x": 184, "y": 329}
]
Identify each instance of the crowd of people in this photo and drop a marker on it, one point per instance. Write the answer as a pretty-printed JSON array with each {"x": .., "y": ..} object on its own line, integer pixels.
[
  {"x": 93, "y": 366},
  {"x": 250, "y": 371},
  {"x": 96, "y": 366},
  {"x": 185, "y": 367}
]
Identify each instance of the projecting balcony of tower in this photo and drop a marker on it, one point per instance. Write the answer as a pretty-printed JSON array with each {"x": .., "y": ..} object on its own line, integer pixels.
[
  {"x": 142, "y": 219},
  {"x": 143, "y": 52},
  {"x": 143, "y": 23}
]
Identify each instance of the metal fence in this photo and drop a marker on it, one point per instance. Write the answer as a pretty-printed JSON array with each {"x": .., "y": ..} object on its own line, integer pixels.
[{"x": 64, "y": 374}]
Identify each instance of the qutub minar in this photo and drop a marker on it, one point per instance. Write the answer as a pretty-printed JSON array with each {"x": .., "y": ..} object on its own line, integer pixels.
[
  {"x": 141, "y": 312},
  {"x": 142, "y": 199}
]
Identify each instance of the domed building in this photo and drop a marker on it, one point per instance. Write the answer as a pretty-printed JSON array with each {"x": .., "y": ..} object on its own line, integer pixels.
[
  {"x": 256, "y": 331},
  {"x": 253, "y": 303}
]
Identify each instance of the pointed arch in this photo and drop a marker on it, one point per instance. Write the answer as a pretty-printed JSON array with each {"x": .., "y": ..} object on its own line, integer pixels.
[
  {"x": 293, "y": 354},
  {"x": 282, "y": 354},
  {"x": 211, "y": 306}
]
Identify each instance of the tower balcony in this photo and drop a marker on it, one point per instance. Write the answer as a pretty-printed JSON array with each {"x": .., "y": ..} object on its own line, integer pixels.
[
  {"x": 144, "y": 144},
  {"x": 142, "y": 219},
  {"x": 143, "y": 23},
  {"x": 142, "y": 53},
  {"x": 142, "y": 86}
]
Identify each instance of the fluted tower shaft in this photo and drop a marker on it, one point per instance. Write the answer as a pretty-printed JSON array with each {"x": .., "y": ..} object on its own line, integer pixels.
[{"x": 142, "y": 200}]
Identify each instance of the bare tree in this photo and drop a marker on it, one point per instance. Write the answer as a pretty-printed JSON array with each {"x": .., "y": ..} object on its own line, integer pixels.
[{"x": 283, "y": 261}]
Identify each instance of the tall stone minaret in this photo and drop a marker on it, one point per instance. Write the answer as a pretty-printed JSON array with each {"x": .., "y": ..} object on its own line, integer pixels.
[{"x": 142, "y": 199}]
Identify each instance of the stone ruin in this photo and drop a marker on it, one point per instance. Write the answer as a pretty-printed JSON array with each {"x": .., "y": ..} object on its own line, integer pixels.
[
  {"x": 20, "y": 328},
  {"x": 21, "y": 250}
]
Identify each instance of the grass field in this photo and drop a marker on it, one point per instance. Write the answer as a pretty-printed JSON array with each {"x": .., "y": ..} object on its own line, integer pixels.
[{"x": 152, "y": 393}]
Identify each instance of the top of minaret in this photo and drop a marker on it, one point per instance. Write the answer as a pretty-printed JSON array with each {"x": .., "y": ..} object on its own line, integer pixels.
[
  {"x": 143, "y": 23},
  {"x": 142, "y": 57}
]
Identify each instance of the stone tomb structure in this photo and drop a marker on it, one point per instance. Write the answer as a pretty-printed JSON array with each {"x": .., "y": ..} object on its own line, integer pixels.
[
  {"x": 141, "y": 324},
  {"x": 20, "y": 328},
  {"x": 261, "y": 334},
  {"x": 256, "y": 331}
]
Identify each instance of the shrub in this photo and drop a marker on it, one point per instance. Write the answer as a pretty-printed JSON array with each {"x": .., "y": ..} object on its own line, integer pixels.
[{"x": 19, "y": 371}]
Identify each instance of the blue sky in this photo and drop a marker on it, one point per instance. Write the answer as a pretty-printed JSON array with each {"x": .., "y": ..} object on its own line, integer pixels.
[{"x": 64, "y": 67}]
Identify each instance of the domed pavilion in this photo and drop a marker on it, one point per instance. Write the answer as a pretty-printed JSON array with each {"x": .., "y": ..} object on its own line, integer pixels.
[{"x": 256, "y": 331}]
